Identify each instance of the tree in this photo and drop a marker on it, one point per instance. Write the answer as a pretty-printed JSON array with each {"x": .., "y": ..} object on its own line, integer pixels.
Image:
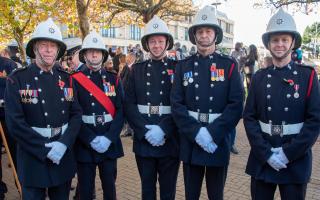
[
  {"x": 305, "y": 6},
  {"x": 19, "y": 18},
  {"x": 311, "y": 32},
  {"x": 145, "y": 9}
]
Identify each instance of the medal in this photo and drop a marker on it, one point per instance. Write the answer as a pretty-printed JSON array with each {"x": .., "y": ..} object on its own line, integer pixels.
[
  {"x": 185, "y": 83},
  {"x": 221, "y": 74},
  {"x": 213, "y": 70},
  {"x": 296, "y": 89},
  {"x": 34, "y": 100},
  {"x": 190, "y": 80}
]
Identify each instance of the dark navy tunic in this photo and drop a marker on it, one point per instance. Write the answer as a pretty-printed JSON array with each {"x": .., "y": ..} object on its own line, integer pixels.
[
  {"x": 35, "y": 98},
  {"x": 150, "y": 83},
  {"x": 223, "y": 95},
  {"x": 273, "y": 100}
]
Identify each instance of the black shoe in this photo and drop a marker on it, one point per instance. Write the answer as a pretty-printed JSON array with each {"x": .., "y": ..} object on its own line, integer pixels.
[{"x": 234, "y": 150}]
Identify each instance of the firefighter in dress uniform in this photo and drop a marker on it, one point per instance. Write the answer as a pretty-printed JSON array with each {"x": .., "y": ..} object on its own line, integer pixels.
[
  {"x": 282, "y": 117},
  {"x": 6, "y": 67},
  {"x": 148, "y": 111},
  {"x": 44, "y": 117},
  {"x": 206, "y": 102},
  {"x": 100, "y": 96}
]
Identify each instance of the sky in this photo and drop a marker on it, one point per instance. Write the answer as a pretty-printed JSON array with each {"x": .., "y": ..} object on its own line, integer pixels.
[{"x": 251, "y": 23}]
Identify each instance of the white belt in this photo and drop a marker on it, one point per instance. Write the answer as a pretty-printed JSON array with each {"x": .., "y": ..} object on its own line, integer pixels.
[
  {"x": 204, "y": 117},
  {"x": 154, "y": 110},
  {"x": 288, "y": 129},
  {"x": 96, "y": 119},
  {"x": 51, "y": 132}
]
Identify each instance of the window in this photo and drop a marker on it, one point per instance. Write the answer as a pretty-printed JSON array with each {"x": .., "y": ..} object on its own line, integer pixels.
[
  {"x": 186, "y": 34},
  {"x": 135, "y": 32},
  {"x": 228, "y": 28},
  {"x": 108, "y": 32},
  {"x": 175, "y": 32}
]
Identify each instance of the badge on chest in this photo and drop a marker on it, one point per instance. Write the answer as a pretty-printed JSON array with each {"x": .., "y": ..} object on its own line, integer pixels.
[
  {"x": 216, "y": 74},
  {"x": 68, "y": 94},
  {"x": 109, "y": 89},
  {"x": 29, "y": 95},
  {"x": 171, "y": 74},
  {"x": 187, "y": 78}
]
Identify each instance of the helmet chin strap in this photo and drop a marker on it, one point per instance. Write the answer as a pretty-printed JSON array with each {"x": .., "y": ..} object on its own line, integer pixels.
[
  {"x": 284, "y": 55},
  {"x": 162, "y": 53},
  {"x": 94, "y": 66},
  {"x": 205, "y": 46},
  {"x": 42, "y": 61}
]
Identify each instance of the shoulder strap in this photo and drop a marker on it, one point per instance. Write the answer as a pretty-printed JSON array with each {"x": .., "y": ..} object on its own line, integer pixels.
[{"x": 95, "y": 91}]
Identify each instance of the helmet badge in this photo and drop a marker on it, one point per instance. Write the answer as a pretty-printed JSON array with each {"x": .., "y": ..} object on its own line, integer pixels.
[
  {"x": 279, "y": 21},
  {"x": 94, "y": 40},
  {"x": 204, "y": 17},
  {"x": 155, "y": 26},
  {"x": 51, "y": 30}
]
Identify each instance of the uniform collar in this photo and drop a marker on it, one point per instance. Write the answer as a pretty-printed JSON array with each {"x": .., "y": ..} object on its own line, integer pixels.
[
  {"x": 288, "y": 66},
  {"x": 210, "y": 56},
  {"x": 38, "y": 70}
]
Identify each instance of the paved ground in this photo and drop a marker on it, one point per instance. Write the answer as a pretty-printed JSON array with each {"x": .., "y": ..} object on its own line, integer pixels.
[{"x": 237, "y": 185}]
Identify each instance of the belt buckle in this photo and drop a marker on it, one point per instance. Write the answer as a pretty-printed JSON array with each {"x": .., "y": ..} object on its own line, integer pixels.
[
  {"x": 99, "y": 119},
  {"x": 154, "y": 110},
  {"x": 203, "y": 117},
  {"x": 277, "y": 130},
  {"x": 56, "y": 131}
]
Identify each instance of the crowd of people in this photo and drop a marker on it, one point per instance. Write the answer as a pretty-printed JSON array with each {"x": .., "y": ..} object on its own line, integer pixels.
[{"x": 66, "y": 111}]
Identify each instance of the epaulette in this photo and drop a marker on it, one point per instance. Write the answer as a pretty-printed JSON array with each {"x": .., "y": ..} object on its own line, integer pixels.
[
  {"x": 62, "y": 70},
  {"x": 112, "y": 72},
  {"x": 141, "y": 62},
  {"x": 224, "y": 56},
  {"x": 305, "y": 66},
  {"x": 16, "y": 70}
]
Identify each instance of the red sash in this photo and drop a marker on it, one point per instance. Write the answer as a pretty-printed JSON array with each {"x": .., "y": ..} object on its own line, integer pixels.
[{"x": 96, "y": 92}]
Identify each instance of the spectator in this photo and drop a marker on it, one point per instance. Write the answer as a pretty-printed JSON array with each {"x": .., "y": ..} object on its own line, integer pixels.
[
  {"x": 139, "y": 54},
  {"x": 250, "y": 64},
  {"x": 267, "y": 61},
  {"x": 109, "y": 65},
  {"x": 192, "y": 51},
  {"x": 116, "y": 60}
]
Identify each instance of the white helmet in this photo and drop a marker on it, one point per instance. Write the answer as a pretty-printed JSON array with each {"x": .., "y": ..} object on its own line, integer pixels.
[
  {"x": 206, "y": 17},
  {"x": 46, "y": 30},
  {"x": 282, "y": 22},
  {"x": 93, "y": 41},
  {"x": 156, "y": 26}
]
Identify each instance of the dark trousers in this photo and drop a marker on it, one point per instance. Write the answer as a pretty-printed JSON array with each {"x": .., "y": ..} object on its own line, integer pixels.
[
  {"x": 233, "y": 136},
  {"x": 166, "y": 169},
  {"x": 108, "y": 175},
  {"x": 215, "y": 180},
  {"x": 60, "y": 192},
  {"x": 261, "y": 190}
]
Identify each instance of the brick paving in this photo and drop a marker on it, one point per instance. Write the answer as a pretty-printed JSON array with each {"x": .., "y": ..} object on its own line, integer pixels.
[{"x": 237, "y": 185}]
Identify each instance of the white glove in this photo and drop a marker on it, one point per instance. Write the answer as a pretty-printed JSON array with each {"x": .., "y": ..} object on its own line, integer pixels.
[
  {"x": 57, "y": 151},
  {"x": 280, "y": 154},
  {"x": 276, "y": 163},
  {"x": 205, "y": 140},
  {"x": 100, "y": 144},
  {"x": 155, "y": 135}
]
